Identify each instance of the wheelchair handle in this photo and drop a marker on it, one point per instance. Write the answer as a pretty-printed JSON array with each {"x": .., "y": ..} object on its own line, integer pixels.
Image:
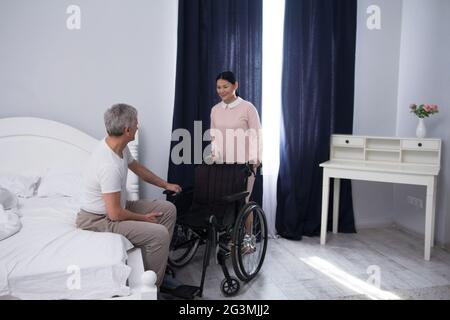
[
  {"x": 184, "y": 191},
  {"x": 250, "y": 168}
]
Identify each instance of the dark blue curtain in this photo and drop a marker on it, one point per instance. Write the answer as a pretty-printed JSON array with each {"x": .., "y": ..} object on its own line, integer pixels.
[
  {"x": 317, "y": 101},
  {"x": 214, "y": 36}
]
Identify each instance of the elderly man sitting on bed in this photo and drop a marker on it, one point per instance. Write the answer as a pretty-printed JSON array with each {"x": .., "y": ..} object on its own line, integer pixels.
[{"x": 147, "y": 224}]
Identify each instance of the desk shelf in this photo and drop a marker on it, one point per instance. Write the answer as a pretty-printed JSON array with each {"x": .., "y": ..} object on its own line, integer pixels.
[
  {"x": 383, "y": 144},
  {"x": 348, "y": 153},
  {"x": 420, "y": 157},
  {"x": 383, "y": 155},
  {"x": 386, "y": 149}
]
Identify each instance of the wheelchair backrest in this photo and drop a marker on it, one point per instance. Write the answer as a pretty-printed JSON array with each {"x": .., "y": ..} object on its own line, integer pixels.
[{"x": 212, "y": 182}]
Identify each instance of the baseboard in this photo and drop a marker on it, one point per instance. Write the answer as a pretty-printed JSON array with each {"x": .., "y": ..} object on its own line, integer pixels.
[
  {"x": 437, "y": 243},
  {"x": 444, "y": 246},
  {"x": 376, "y": 225}
]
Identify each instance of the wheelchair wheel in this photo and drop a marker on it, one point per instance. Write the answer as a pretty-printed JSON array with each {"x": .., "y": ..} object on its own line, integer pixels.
[
  {"x": 230, "y": 286},
  {"x": 184, "y": 246},
  {"x": 250, "y": 241}
]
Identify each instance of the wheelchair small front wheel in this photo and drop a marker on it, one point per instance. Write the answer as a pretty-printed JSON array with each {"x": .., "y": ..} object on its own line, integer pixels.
[
  {"x": 230, "y": 287},
  {"x": 249, "y": 241},
  {"x": 184, "y": 246}
]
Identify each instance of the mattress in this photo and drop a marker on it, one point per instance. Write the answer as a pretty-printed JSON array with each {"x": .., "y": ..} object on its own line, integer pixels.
[{"x": 49, "y": 258}]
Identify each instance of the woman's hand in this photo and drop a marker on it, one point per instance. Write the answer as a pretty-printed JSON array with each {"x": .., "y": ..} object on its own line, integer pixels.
[{"x": 256, "y": 165}]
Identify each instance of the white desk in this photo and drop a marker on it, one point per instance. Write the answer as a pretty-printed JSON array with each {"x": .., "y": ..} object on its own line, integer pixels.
[{"x": 382, "y": 159}]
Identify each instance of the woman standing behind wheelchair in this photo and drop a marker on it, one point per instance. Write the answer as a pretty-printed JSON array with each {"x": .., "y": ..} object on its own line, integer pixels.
[{"x": 237, "y": 119}]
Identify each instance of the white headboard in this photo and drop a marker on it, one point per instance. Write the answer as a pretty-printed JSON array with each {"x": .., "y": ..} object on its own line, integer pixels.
[{"x": 33, "y": 145}]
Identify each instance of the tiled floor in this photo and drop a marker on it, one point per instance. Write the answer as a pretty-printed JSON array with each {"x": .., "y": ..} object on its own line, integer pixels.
[{"x": 348, "y": 267}]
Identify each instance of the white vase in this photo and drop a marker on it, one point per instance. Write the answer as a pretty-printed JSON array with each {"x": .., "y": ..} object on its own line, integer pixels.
[{"x": 421, "y": 130}]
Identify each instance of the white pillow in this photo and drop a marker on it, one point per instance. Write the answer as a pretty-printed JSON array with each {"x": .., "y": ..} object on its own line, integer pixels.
[
  {"x": 20, "y": 185},
  {"x": 9, "y": 223},
  {"x": 7, "y": 199},
  {"x": 57, "y": 183}
]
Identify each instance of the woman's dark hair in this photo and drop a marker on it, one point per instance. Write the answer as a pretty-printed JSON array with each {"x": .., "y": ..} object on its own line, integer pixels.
[{"x": 228, "y": 76}]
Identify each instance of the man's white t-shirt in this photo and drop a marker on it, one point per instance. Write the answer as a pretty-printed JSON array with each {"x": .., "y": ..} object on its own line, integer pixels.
[{"x": 105, "y": 172}]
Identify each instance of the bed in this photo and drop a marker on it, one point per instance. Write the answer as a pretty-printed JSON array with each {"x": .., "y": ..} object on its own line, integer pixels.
[{"x": 49, "y": 258}]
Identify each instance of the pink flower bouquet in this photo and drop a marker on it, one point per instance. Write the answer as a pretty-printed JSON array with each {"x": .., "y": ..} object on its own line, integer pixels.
[{"x": 424, "y": 110}]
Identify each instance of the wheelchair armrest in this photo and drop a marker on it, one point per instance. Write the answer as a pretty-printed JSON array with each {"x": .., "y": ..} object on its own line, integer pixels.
[{"x": 235, "y": 197}]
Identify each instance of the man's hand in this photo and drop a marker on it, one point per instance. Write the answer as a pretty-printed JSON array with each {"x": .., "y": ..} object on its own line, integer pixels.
[
  {"x": 173, "y": 187},
  {"x": 152, "y": 217}
]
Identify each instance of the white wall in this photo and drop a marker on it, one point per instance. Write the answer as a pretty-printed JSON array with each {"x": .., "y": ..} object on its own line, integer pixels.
[
  {"x": 125, "y": 51},
  {"x": 405, "y": 62},
  {"x": 376, "y": 78},
  {"x": 424, "y": 77}
]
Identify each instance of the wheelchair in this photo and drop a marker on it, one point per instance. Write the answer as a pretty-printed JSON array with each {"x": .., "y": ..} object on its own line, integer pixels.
[{"x": 214, "y": 213}]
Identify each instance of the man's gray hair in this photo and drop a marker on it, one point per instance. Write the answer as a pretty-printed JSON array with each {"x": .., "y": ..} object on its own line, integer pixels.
[{"x": 118, "y": 117}]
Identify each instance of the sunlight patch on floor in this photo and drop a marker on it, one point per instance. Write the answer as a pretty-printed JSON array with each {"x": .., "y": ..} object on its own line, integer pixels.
[{"x": 349, "y": 281}]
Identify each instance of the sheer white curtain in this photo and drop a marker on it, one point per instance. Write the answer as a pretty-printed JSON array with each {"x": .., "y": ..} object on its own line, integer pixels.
[{"x": 273, "y": 21}]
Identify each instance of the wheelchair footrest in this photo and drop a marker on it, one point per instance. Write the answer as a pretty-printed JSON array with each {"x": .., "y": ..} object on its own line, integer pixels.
[{"x": 182, "y": 291}]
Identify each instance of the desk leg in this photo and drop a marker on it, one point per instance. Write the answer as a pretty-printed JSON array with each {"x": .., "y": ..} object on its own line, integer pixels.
[
  {"x": 429, "y": 217},
  {"x": 433, "y": 214},
  {"x": 325, "y": 199},
  {"x": 337, "y": 190}
]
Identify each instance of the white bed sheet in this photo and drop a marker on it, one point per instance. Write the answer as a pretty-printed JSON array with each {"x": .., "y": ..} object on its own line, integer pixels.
[{"x": 42, "y": 260}]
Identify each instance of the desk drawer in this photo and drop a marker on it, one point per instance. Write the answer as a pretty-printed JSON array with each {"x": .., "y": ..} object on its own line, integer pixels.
[
  {"x": 348, "y": 141},
  {"x": 420, "y": 144}
]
